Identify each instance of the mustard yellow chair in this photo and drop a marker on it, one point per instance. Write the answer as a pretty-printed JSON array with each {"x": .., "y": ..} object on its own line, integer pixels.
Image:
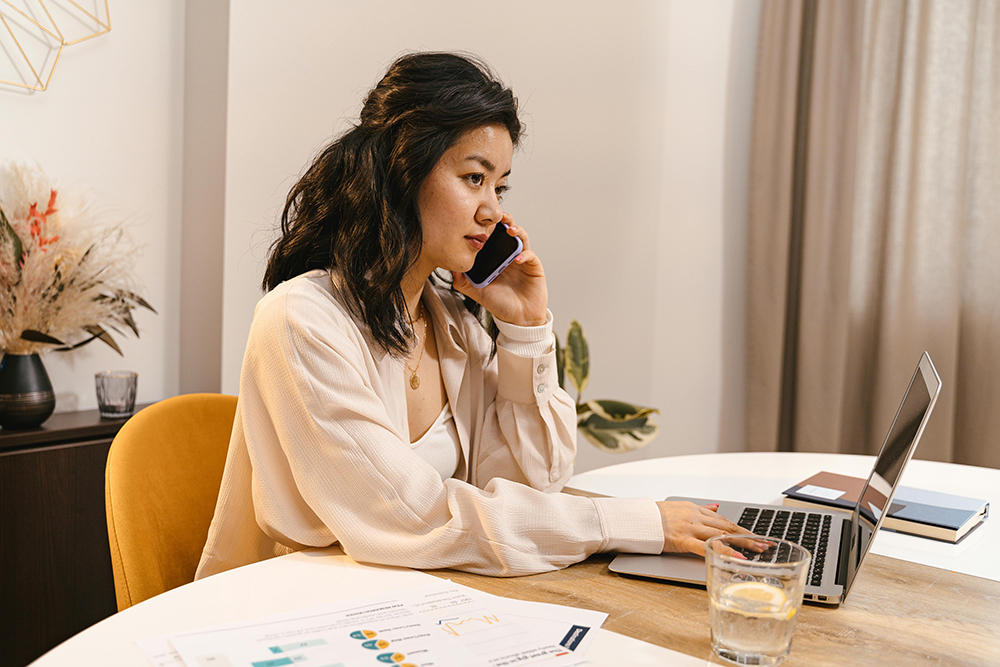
[{"x": 160, "y": 486}]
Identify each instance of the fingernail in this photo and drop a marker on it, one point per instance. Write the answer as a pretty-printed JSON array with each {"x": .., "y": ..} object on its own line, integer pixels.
[{"x": 737, "y": 554}]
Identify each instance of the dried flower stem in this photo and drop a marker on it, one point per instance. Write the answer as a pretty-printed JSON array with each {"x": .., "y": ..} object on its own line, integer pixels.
[{"x": 65, "y": 278}]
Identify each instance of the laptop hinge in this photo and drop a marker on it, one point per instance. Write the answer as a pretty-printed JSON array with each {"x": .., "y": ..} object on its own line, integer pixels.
[{"x": 845, "y": 553}]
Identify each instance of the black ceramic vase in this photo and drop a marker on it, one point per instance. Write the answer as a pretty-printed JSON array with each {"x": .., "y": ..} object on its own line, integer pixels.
[{"x": 26, "y": 398}]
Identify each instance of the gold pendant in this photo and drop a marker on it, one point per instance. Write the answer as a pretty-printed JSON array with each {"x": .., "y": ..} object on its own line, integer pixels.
[{"x": 414, "y": 381}]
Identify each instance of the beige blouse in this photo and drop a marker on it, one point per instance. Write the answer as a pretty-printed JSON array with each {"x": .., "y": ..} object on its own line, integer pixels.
[{"x": 320, "y": 450}]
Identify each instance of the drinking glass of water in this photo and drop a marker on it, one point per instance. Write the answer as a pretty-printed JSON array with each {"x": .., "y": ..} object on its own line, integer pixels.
[{"x": 753, "y": 603}]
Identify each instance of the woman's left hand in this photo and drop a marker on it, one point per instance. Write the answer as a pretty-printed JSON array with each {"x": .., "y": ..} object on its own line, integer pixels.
[
  {"x": 686, "y": 528},
  {"x": 518, "y": 295}
]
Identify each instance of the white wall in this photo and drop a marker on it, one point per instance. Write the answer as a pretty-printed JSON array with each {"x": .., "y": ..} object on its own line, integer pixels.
[
  {"x": 697, "y": 372},
  {"x": 206, "y": 72},
  {"x": 112, "y": 121},
  {"x": 631, "y": 181}
]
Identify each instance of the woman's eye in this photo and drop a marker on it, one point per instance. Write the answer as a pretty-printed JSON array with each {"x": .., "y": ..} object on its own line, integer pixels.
[
  {"x": 476, "y": 179},
  {"x": 501, "y": 191}
]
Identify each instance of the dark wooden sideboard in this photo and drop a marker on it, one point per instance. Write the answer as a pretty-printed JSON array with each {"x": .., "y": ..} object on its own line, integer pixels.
[{"x": 55, "y": 563}]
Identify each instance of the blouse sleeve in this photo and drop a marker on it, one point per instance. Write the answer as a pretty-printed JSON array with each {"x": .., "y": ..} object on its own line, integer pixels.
[
  {"x": 530, "y": 430},
  {"x": 328, "y": 464}
]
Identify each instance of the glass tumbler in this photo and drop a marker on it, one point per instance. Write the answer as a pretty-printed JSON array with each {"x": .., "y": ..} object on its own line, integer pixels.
[
  {"x": 753, "y": 604},
  {"x": 116, "y": 393}
]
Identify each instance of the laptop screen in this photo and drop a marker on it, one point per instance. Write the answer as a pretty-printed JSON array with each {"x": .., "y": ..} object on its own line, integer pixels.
[{"x": 896, "y": 450}]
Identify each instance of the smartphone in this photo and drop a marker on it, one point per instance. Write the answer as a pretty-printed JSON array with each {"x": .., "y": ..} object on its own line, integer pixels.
[{"x": 499, "y": 250}]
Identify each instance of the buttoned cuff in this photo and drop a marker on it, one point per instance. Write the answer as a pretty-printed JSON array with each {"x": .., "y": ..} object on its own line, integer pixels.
[{"x": 528, "y": 379}]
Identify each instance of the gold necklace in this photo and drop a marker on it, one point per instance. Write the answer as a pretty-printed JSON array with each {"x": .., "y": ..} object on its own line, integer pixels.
[{"x": 414, "y": 378}]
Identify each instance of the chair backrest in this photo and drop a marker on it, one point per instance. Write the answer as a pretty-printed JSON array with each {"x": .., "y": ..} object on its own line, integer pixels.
[{"x": 160, "y": 486}]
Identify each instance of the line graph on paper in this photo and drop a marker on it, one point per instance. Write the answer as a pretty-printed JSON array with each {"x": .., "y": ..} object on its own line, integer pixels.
[
  {"x": 482, "y": 624},
  {"x": 458, "y": 628},
  {"x": 485, "y": 631}
]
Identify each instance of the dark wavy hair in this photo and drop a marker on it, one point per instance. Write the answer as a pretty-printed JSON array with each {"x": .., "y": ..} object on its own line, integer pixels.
[{"x": 355, "y": 209}]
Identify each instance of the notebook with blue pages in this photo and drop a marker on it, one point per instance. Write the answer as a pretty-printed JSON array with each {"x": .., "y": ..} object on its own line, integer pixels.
[{"x": 838, "y": 542}]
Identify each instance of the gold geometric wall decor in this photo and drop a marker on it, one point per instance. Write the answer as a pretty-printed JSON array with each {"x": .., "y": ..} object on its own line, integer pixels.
[
  {"x": 32, "y": 46},
  {"x": 78, "y": 22},
  {"x": 34, "y": 33}
]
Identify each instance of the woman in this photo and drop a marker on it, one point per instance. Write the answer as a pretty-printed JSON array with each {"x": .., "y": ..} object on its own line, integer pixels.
[{"x": 375, "y": 409}]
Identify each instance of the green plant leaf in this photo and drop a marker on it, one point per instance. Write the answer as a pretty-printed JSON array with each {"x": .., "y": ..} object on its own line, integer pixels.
[
  {"x": 577, "y": 357},
  {"x": 612, "y": 415},
  {"x": 620, "y": 441},
  {"x": 613, "y": 426},
  {"x": 601, "y": 439},
  {"x": 616, "y": 426},
  {"x": 596, "y": 421},
  {"x": 619, "y": 410},
  {"x": 560, "y": 364}
]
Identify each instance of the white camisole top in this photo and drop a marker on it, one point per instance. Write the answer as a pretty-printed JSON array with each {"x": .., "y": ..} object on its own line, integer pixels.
[{"x": 439, "y": 445}]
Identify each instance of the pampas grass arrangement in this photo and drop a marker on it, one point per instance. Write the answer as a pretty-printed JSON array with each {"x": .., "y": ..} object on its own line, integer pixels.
[{"x": 65, "y": 276}]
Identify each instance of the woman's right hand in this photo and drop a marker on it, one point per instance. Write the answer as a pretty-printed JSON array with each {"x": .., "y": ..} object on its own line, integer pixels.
[
  {"x": 687, "y": 526},
  {"x": 518, "y": 295}
]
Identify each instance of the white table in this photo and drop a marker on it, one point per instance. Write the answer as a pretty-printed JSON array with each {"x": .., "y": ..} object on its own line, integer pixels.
[
  {"x": 299, "y": 580},
  {"x": 318, "y": 576},
  {"x": 761, "y": 477}
]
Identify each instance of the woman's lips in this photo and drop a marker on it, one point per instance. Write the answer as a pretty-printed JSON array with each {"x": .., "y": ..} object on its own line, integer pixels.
[{"x": 477, "y": 241}]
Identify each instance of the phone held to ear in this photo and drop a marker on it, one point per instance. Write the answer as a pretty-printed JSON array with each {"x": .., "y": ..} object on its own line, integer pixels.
[{"x": 499, "y": 250}]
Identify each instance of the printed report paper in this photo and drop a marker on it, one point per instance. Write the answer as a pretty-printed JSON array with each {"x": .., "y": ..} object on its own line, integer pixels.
[{"x": 437, "y": 625}]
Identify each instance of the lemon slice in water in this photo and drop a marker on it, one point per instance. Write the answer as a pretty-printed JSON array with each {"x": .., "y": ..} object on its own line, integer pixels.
[
  {"x": 753, "y": 598},
  {"x": 756, "y": 592}
]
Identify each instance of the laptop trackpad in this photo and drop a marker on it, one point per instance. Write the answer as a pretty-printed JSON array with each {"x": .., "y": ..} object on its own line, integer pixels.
[{"x": 687, "y": 568}]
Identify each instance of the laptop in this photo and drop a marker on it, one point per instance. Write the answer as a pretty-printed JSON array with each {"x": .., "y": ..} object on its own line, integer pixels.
[{"x": 838, "y": 542}]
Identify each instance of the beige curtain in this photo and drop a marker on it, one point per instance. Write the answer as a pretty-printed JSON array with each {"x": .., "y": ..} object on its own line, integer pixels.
[{"x": 875, "y": 224}]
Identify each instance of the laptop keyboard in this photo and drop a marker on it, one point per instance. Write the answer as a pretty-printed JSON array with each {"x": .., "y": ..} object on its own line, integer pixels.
[{"x": 811, "y": 531}]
